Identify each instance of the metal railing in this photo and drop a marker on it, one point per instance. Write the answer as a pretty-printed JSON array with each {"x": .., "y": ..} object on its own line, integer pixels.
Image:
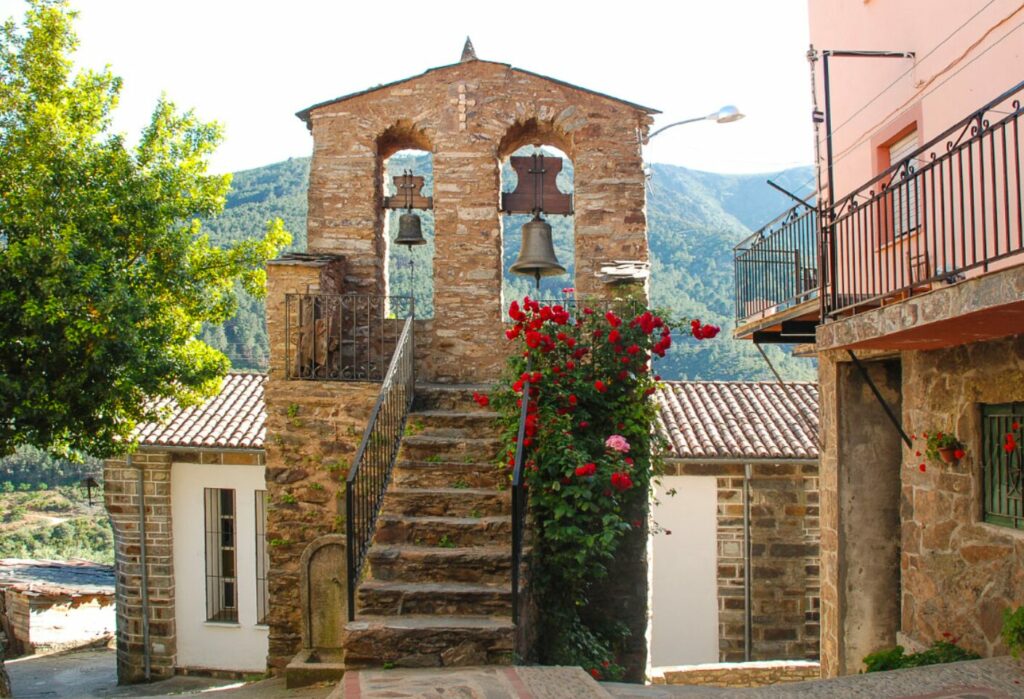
[
  {"x": 341, "y": 337},
  {"x": 777, "y": 266},
  {"x": 951, "y": 206},
  {"x": 368, "y": 479},
  {"x": 519, "y": 498}
]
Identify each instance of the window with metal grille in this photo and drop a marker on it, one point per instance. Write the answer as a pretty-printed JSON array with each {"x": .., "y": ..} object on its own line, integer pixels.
[
  {"x": 262, "y": 557},
  {"x": 1003, "y": 462},
  {"x": 904, "y": 194},
  {"x": 221, "y": 579}
]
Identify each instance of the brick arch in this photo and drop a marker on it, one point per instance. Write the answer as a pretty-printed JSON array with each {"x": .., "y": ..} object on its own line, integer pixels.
[
  {"x": 401, "y": 135},
  {"x": 536, "y": 132}
]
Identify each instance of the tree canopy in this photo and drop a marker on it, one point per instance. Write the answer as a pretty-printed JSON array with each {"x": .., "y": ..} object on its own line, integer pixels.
[{"x": 105, "y": 273}]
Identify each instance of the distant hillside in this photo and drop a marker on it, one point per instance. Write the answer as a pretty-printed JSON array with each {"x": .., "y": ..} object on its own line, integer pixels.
[{"x": 695, "y": 218}]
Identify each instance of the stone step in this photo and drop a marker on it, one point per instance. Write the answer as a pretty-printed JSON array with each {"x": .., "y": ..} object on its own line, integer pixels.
[
  {"x": 383, "y": 598},
  {"x": 482, "y": 422},
  {"x": 447, "y": 502},
  {"x": 459, "y": 397},
  {"x": 449, "y": 447},
  {"x": 448, "y": 531},
  {"x": 429, "y": 641},
  {"x": 447, "y": 474},
  {"x": 468, "y": 564}
]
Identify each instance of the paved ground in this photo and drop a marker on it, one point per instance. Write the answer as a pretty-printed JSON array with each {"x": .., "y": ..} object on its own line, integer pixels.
[{"x": 90, "y": 673}]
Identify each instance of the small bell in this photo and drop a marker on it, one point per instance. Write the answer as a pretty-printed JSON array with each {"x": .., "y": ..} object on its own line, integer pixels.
[
  {"x": 537, "y": 254},
  {"x": 410, "y": 232}
]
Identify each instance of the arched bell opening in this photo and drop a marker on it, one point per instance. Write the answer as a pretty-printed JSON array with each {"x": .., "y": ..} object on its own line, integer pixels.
[
  {"x": 535, "y": 210},
  {"x": 407, "y": 226}
]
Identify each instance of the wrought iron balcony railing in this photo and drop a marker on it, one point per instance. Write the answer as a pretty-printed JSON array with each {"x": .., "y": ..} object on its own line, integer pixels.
[
  {"x": 950, "y": 210},
  {"x": 777, "y": 267},
  {"x": 342, "y": 337}
]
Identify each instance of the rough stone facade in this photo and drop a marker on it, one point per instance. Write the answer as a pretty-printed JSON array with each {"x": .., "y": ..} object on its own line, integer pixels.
[
  {"x": 784, "y": 554},
  {"x": 906, "y": 551},
  {"x": 471, "y": 116},
  {"x": 958, "y": 573},
  {"x": 122, "y": 498}
]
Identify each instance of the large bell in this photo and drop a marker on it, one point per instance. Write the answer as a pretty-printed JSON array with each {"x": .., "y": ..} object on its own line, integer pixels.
[
  {"x": 537, "y": 254},
  {"x": 410, "y": 232}
]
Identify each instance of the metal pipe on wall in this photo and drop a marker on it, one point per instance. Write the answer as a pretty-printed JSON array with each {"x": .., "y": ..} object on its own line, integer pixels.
[
  {"x": 747, "y": 612},
  {"x": 146, "y": 653}
]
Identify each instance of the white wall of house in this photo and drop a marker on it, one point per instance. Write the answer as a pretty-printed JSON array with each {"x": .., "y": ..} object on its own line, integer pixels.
[
  {"x": 203, "y": 644},
  {"x": 684, "y": 604}
]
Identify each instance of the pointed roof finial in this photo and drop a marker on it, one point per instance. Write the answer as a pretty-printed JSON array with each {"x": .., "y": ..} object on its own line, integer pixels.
[{"x": 468, "y": 52}]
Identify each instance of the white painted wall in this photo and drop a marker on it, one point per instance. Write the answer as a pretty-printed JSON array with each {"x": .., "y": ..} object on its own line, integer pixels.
[
  {"x": 241, "y": 646},
  {"x": 66, "y": 625},
  {"x": 684, "y": 575}
]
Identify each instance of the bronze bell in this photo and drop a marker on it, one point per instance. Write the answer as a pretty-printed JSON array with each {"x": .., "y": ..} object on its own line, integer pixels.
[
  {"x": 537, "y": 254},
  {"x": 410, "y": 232}
]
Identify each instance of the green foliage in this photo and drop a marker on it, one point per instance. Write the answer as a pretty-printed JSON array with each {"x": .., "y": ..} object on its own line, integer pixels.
[
  {"x": 288, "y": 499},
  {"x": 105, "y": 273},
  {"x": 53, "y": 523},
  {"x": 34, "y": 467},
  {"x": 589, "y": 457},
  {"x": 942, "y": 651},
  {"x": 938, "y": 439},
  {"x": 1013, "y": 630},
  {"x": 445, "y": 542}
]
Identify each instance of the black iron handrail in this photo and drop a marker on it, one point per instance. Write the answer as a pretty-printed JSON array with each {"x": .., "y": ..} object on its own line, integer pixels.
[
  {"x": 341, "y": 337},
  {"x": 519, "y": 497},
  {"x": 778, "y": 264},
  {"x": 370, "y": 474},
  {"x": 951, "y": 206}
]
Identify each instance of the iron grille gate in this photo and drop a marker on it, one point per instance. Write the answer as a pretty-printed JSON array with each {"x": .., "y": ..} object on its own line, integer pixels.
[{"x": 1003, "y": 466}]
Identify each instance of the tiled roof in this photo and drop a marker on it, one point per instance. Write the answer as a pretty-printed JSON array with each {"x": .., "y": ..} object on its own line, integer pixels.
[
  {"x": 232, "y": 419},
  {"x": 45, "y": 577},
  {"x": 739, "y": 419}
]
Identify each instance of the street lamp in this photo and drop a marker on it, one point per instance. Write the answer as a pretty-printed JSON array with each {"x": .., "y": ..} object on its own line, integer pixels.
[{"x": 725, "y": 115}]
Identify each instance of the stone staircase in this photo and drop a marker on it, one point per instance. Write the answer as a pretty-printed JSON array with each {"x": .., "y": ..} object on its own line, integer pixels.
[{"x": 436, "y": 586}]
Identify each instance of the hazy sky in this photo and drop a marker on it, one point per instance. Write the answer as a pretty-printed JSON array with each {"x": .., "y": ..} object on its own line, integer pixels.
[{"x": 252, "y": 64}]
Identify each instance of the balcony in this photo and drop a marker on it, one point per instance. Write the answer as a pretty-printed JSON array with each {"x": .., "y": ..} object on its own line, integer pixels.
[{"x": 947, "y": 215}]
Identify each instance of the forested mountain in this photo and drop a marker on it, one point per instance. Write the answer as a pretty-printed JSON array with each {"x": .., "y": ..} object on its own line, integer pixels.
[{"x": 694, "y": 219}]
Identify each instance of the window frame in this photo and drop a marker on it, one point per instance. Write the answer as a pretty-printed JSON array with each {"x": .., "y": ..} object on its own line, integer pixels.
[
  {"x": 221, "y": 537},
  {"x": 1002, "y": 501}
]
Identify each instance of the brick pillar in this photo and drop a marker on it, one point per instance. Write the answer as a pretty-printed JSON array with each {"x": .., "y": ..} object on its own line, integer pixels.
[
  {"x": 122, "y": 498},
  {"x": 468, "y": 334}
]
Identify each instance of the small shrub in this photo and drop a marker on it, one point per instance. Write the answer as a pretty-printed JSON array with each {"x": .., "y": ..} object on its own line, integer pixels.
[
  {"x": 942, "y": 651},
  {"x": 445, "y": 542},
  {"x": 1013, "y": 630},
  {"x": 288, "y": 499}
]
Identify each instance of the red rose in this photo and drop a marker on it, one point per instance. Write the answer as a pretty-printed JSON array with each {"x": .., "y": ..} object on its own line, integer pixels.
[
  {"x": 573, "y": 399},
  {"x": 599, "y": 385},
  {"x": 584, "y": 424},
  {"x": 633, "y": 349},
  {"x": 621, "y": 481},
  {"x": 613, "y": 337},
  {"x": 570, "y": 365},
  {"x": 588, "y": 469},
  {"x": 613, "y": 320},
  {"x": 1015, "y": 425},
  {"x": 482, "y": 400}
]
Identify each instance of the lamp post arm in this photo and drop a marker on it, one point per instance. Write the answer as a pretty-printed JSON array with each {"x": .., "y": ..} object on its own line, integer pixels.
[{"x": 677, "y": 123}]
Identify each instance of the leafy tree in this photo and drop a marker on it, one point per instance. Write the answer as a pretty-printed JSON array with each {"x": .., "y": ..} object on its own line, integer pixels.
[{"x": 106, "y": 276}]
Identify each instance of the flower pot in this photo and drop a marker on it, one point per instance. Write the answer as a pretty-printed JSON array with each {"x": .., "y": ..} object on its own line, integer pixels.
[{"x": 948, "y": 454}]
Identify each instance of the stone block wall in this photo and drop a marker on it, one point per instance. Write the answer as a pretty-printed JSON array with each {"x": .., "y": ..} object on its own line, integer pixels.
[
  {"x": 470, "y": 116},
  {"x": 784, "y": 535},
  {"x": 755, "y": 674},
  {"x": 123, "y": 502},
  {"x": 958, "y": 573}
]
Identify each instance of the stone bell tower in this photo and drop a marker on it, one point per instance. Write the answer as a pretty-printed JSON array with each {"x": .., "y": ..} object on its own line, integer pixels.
[{"x": 470, "y": 116}]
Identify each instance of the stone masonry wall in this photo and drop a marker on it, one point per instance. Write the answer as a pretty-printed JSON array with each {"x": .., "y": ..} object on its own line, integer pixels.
[
  {"x": 120, "y": 494},
  {"x": 756, "y": 674},
  {"x": 471, "y": 116},
  {"x": 313, "y": 431},
  {"x": 784, "y": 551},
  {"x": 959, "y": 573}
]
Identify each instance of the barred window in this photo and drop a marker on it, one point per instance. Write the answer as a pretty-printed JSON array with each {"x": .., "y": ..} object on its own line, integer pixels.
[
  {"x": 1003, "y": 463},
  {"x": 221, "y": 580},
  {"x": 262, "y": 557}
]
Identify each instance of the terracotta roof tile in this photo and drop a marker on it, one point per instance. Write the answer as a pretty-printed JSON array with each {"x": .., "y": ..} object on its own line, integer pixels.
[
  {"x": 232, "y": 419},
  {"x": 739, "y": 419}
]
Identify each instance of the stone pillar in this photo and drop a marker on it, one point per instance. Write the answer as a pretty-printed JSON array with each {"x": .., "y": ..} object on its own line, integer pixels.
[
  {"x": 861, "y": 456},
  {"x": 610, "y": 201},
  {"x": 122, "y": 498},
  {"x": 467, "y": 265}
]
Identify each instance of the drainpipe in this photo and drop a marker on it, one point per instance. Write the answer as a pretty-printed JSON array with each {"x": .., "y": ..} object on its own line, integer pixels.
[
  {"x": 146, "y": 653},
  {"x": 747, "y": 612}
]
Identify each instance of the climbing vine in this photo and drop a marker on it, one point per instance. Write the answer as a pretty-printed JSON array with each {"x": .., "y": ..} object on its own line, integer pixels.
[{"x": 590, "y": 454}]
